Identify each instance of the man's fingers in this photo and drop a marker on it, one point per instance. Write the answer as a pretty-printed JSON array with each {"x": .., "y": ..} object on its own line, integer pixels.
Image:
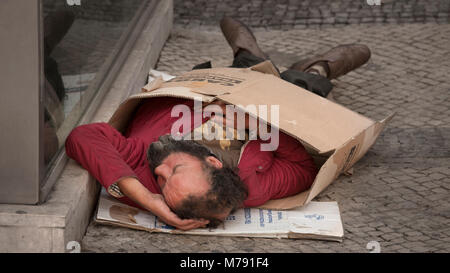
[
  {"x": 189, "y": 227},
  {"x": 191, "y": 224},
  {"x": 195, "y": 222}
]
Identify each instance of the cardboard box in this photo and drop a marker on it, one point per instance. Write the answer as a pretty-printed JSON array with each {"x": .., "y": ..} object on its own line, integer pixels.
[{"x": 335, "y": 136}]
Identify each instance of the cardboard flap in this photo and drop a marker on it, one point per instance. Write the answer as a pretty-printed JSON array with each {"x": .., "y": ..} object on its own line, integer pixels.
[
  {"x": 213, "y": 81},
  {"x": 316, "y": 121},
  {"x": 122, "y": 115},
  {"x": 155, "y": 84},
  {"x": 345, "y": 157},
  {"x": 287, "y": 202},
  {"x": 363, "y": 142},
  {"x": 339, "y": 162},
  {"x": 266, "y": 67}
]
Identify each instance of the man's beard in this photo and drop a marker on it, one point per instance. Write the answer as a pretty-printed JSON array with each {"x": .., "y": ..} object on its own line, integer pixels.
[{"x": 166, "y": 145}]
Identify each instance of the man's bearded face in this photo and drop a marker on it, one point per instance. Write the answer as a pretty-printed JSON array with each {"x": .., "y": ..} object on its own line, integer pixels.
[
  {"x": 178, "y": 167},
  {"x": 193, "y": 181}
]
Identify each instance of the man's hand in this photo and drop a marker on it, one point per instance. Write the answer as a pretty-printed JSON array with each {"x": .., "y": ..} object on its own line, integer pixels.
[
  {"x": 155, "y": 203},
  {"x": 231, "y": 121},
  {"x": 167, "y": 216}
]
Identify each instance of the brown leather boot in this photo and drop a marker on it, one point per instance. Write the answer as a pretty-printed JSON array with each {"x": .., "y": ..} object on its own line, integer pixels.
[
  {"x": 339, "y": 60},
  {"x": 239, "y": 36}
]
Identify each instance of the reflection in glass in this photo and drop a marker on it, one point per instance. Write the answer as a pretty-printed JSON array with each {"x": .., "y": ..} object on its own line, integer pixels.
[{"x": 79, "y": 45}]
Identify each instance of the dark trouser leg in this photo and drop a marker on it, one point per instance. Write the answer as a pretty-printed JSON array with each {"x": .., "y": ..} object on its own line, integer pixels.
[
  {"x": 243, "y": 59},
  {"x": 311, "y": 82},
  {"x": 203, "y": 65},
  {"x": 315, "y": 83}
]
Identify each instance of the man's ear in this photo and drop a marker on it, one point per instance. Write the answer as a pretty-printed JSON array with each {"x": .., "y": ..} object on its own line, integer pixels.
[{"x": 213, "y": 161}]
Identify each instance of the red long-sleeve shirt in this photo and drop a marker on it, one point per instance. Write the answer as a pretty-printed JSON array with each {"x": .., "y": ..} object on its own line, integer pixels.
[{"x": 109, "y": 156}]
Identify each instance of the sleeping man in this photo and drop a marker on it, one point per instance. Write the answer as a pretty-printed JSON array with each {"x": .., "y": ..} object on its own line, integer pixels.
[{"x": 197, "y": 183}]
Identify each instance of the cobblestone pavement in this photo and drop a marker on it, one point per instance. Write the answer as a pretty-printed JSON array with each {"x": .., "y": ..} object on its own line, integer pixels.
[
  {"x": 287, "y": 14},
  {"x": 399, "y": 193}
]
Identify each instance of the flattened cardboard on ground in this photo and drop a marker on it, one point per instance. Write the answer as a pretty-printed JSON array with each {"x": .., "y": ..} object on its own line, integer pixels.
[
  {"x": 317, "y": 220},
  {"x": 336, "y": 136}
]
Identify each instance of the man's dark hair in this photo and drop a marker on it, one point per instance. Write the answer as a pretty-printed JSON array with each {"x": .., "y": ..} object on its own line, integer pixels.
[{"x": 227, "y": 190}]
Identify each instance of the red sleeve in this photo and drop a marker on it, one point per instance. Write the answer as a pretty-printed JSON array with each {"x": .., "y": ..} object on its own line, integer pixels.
[
  {"x": 276, "y": 174},
  {"x": 104, "y": 152}
]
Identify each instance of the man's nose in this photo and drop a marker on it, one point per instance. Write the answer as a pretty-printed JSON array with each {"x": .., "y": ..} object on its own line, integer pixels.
[{"x": 163, "y": 170}]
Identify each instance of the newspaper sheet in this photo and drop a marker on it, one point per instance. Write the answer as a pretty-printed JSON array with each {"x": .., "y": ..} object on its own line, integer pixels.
[{"x": 316, "y": 220}]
